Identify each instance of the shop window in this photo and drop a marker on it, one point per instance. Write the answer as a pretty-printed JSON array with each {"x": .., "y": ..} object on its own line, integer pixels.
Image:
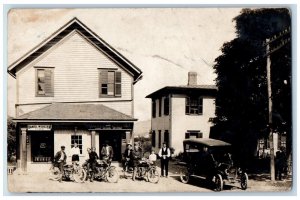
[
  {"x": 42, "y": 147},
  {"x": 44, "y": 82},
  {"x": 194, "y": 106},
  {"x": 77, "y": 139},
  {"x": 110, "y": 83}
]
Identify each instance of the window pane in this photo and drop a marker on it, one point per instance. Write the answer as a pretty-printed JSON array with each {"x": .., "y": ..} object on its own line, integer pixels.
[
  {"x": 111, "y": 77},
  {"x": 110, "y": 89},
  {"x": 41, "y": 75}
]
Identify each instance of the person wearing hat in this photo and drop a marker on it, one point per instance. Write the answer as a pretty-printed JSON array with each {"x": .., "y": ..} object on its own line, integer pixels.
[
  {"x": 136, "y": 157},
  {"x": 127, "y": 158},
  {"x": 107, "y": 152},
  {"x": 164, "y": 154},
  {"x": 60, "y": 158}
]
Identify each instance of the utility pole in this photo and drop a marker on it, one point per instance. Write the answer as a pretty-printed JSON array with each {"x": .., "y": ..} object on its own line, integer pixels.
[{"x": 270, "y": 105}]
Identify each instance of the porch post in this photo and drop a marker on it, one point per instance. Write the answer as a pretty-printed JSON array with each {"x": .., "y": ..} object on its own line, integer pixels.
[
  {"x": 23, "y": 155},
  {"x": 93, "y": 138}
]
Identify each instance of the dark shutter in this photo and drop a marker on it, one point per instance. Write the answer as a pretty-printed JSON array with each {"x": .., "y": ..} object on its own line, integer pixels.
[
  {"x": 187, "y": 106},
  {"x": 159, "y": 107},
  {"x": 153, "y": 108},
  {"x": 200, "y": 135},
  {"x": 167, "y": 138},
  {"x": 166, "y": 105},
  {"x": 153, "y": 138},
  {"x": 118, "y": 84},
  {"x": 103, "y": 82},
  {"x": 200, "y": 106},
  {"x": 187, "y": 135}
]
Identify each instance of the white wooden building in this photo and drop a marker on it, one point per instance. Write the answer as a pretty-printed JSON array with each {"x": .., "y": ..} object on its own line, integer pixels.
[
  {"x": 73, "y": 87},
  {"x": 181, "y": 112}
]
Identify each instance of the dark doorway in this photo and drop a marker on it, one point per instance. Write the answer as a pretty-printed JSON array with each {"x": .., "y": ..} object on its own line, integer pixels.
[
  {"x": 114, "y": 139},
  {"x": 42, "y": 146}
]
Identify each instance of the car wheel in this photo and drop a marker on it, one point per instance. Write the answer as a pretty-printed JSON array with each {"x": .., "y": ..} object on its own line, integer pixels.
[
  {"x": 244, "y": 181},
  {"x": 218, "y": 183},
  {"x": 184, "y": 175}
]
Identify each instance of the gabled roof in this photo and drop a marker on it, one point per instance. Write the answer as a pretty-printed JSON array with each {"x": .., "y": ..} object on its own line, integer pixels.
[
  {"x": 75, "y": 112},
  {"x": 208, "y": 90},
  {"x": 93, "y": 38}
]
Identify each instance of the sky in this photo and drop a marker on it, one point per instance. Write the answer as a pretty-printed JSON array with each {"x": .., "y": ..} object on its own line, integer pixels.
[{"x": 165, "y": 43}]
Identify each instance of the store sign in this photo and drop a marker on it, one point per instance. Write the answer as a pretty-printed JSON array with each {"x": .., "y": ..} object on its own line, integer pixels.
[{"x": 39, "y": 127}]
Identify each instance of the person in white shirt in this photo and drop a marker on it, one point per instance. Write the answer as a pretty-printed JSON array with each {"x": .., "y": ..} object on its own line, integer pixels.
[
  {"x": 75, "y": 152},
  {"x": 152, "y": 157},
  {"x": 164, "y": 154}
]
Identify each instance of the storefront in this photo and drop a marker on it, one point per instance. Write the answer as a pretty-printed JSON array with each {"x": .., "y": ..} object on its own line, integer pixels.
[{"x": 39, "y": 141}]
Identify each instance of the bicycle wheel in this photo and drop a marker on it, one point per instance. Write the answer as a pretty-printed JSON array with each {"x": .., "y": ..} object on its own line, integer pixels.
[
  {"x": 112, "y": 176},
  {"x": 55, "y": 174},
  {"x": 153, "y": 175}
]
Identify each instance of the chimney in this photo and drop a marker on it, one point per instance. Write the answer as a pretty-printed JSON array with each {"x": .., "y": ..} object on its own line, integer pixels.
[{"x": 192, "y": 80}]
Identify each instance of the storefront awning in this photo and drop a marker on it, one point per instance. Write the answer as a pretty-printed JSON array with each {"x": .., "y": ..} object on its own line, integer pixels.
[{"x": 75, "y": 112}]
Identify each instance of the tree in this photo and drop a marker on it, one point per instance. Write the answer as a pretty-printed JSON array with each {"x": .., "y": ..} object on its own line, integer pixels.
[
  {"x": 11, "y": 138},
  {"x": 242, "y": 100}
]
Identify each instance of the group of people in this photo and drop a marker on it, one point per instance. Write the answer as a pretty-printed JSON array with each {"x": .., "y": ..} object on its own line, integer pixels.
[
  {"x": 106, "y": 153},
  {"x": 132, "y": 157}
]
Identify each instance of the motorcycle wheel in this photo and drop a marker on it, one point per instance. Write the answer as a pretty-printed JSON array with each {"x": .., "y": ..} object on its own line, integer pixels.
[
  {"x": 112, "y": 176},
  {"x": 184, "y": 175},
  {"x": 153, "y": 175},
  {"x": 79, "y": 175},
  {"x": 55, "y": 174},
  {"x": 218, "y": 182},
  {"x": 244, "y": 181}
]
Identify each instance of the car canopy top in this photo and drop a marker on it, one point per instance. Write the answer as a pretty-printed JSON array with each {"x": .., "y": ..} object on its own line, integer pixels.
[{"x": 207, "y": 142}]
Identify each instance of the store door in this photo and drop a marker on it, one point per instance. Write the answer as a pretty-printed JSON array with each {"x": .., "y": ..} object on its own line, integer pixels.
[
  {"x": 42, "y": 146},
  {"x": 114, "y": 140}
]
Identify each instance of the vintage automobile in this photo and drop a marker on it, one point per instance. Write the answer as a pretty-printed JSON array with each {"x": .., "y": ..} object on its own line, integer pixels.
[{"x": 211, "y": 159}]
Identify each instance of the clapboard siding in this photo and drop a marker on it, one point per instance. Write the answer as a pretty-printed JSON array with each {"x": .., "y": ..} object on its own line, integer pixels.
[{"x": 76, "y": 65}]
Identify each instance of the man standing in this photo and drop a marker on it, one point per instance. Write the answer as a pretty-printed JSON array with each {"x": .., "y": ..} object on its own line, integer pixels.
[
  {"x": 127, "y": 162},
  {"x": 164, "y": 154},
  {"x": 136, "y": 157},
  {"x": 107, "y": 152},
  {"x": 92, "y": 162},
  {"x": 60, "y": 158}
]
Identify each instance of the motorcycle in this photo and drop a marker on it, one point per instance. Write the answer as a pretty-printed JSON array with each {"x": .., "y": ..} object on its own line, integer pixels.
[
  {"x": 73, "y": 172},
  {"x": 146, "y": 170},
  {"x": 103, "y": 171}
]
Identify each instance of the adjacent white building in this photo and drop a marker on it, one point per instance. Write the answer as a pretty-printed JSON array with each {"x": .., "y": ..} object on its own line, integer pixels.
[{"x": 181, "y": 112}]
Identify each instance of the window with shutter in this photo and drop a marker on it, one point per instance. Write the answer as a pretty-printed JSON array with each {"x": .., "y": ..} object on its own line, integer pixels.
[
  {"x": 193, "y": 134},
  {"x": 110, "y": 83},
  {"x": 44, "y": 82},
  {"x": 153, "y": 108},
  {"x": 194, "y": 106},
  {"x": 153, "y": 139},
  {"x": 159, "y": 107}
]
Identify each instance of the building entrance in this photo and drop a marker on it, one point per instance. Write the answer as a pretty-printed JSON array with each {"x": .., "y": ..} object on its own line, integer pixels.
[{"x": 114, "y": 139}]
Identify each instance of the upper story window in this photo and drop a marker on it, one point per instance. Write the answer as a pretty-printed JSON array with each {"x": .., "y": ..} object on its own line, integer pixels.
[
  {"x": 166, "y": 105},
  {"x": 44, "y": 82},
  {"x": 194, "y": 106},
  {"x": 110, "y": 83},
  {"x": 153, "y": 108}
]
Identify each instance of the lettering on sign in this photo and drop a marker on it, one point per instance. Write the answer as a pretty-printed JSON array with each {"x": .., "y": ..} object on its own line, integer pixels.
[{"x": 39, "y": 127}]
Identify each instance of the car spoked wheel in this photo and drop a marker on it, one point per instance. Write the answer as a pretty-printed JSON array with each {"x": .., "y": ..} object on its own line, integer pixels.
[
  {"x": 112, "y": 176},
  {"x": 184, "y": 175},
  {"x": 218, "y": 182},
  {"x": 244, "y": 181},
  {"x": 153, "y": 176}
]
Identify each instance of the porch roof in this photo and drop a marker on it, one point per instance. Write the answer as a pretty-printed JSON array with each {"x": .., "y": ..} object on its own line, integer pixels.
[{"x": 75, "y": 112}]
